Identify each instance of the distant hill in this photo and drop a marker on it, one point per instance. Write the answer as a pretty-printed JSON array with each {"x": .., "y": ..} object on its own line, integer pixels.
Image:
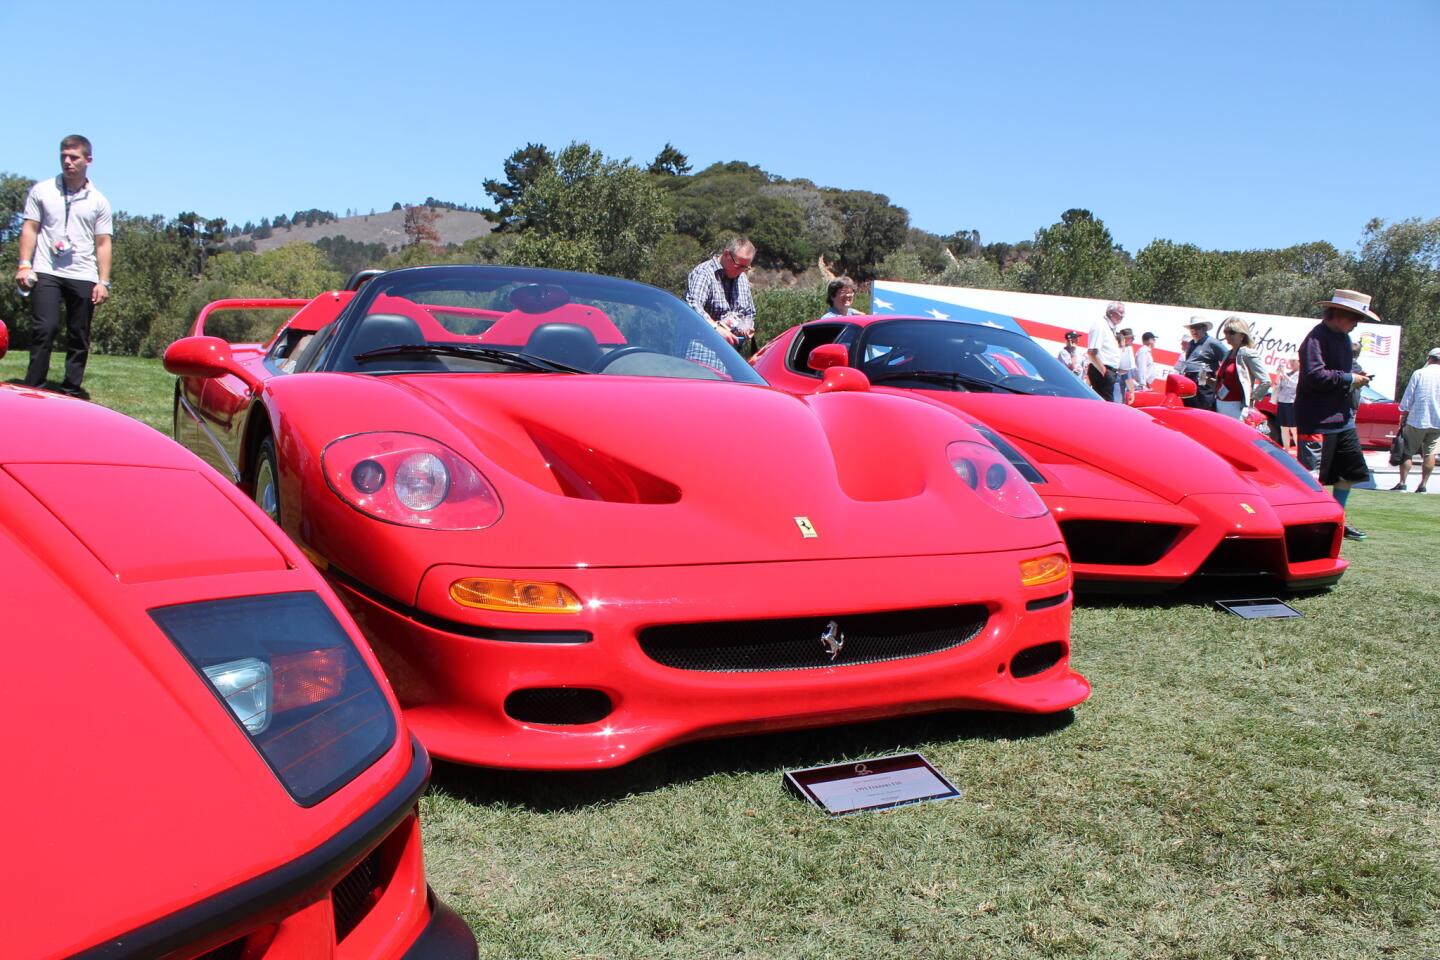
[{"x": 454, "y": 226}]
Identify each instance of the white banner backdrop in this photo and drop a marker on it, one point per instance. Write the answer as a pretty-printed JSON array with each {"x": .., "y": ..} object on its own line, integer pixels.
[{"x": 1046, "y": 318}]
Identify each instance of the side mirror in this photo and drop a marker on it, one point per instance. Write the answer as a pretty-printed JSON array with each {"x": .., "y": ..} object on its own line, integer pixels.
[
  {"x": 1179, "y": 385},
  {"x": 4, "y": 338},
  {"x": 828, "y": 355},
  {"x": 843, "y": 379},
  {"x": 206, "y": 358}
]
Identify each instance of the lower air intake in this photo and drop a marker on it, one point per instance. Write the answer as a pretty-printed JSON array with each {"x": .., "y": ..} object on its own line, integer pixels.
[
  {"x": 1117, "y": 542},
  {"x": 558, "y": 706},
  {"x": 1037, "y": 659}
]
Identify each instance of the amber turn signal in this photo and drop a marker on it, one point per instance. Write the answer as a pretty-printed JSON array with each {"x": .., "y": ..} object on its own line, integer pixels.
[
  {"x": 1042, "y": 570},
  {"x": 514, "y": 596}
]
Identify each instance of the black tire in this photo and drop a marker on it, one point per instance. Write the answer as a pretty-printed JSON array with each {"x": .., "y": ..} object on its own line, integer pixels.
[{"x": 265, "y": 482}]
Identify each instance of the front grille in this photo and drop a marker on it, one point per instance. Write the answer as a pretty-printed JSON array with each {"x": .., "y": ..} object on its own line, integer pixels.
[
  {"x": 1117, "y": 542},
  {"x": 1244, "y": 556},
  {"x": 747, "y": 646},
  {"x": 354, "y": 895},
  {"x": 1309, "y": 541}
]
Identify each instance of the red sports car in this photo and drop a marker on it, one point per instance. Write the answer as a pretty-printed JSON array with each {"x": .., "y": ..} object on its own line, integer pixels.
[
  {"x": 577, "y": 527},
  {"x": 205, "y": 761},
  {"x": 1146, "y": 498}
]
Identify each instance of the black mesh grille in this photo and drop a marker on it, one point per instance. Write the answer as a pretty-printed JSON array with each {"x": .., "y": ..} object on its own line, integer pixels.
[
  {"x": 1244, "y": 556},
  {"x": 1117, "y": 542},
  {"x": 798, "y": 644},
  {"x": 1309, "y": 541},
  {"x": 558, "y": 705},
  {"x": 353, "y": 896}
]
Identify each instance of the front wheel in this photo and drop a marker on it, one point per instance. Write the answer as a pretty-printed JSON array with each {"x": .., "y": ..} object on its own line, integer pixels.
[{"x": 266, "y": 489}]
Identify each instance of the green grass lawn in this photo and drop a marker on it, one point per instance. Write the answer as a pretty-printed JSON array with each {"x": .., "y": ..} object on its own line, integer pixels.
[{"x": 1231, "y": 789}]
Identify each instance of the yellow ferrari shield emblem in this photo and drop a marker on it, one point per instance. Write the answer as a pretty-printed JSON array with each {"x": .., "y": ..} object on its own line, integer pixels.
[
  {"x": 1247, "y": 508},
  {"x": 807, "y": 529}
]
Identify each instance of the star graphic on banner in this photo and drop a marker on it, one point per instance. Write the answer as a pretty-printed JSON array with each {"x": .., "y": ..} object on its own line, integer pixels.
[
  {"x": 937, "y": 314},
  {"x": 992, "y": 323},
  {"x": 882, "y": 304}
]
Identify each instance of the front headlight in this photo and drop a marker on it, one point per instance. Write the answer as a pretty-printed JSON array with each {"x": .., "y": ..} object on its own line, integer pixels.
[
  {"x": 985, "y": 470},
  {"x": 411, "y": 480},
  {"x": 292, "y": 679}
]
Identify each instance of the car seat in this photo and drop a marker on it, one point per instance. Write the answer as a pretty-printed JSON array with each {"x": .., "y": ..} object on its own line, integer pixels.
[{"x": 567, "y": 343}]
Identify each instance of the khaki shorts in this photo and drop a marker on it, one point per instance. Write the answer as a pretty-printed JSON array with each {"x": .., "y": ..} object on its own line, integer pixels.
[{"x": 1422, "y": 440}]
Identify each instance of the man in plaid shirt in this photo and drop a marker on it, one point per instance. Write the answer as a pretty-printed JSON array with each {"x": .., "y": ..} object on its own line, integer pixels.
[{"x": 719, "y": 290}]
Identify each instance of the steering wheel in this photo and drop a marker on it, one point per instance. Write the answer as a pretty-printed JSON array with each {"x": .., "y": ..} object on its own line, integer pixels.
[{"x": 614, "y": 355}]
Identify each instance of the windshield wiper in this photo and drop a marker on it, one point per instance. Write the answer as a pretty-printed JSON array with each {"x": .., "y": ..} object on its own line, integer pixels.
[
  {"x": 946, "y": 378},
  {"x": 521, "y": 360}
]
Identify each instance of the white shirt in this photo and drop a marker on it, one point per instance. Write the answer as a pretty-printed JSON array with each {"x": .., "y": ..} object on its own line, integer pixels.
[
  {"x": 1144, "y": 367},
  {"x": 1102, "y": 341},
  {"x": 88, "y": 217},
  {"x": 1422, "y": 398}
]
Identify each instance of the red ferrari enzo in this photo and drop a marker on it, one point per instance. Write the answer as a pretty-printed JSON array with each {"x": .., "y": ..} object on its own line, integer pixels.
[
  {"x": 1146, "y": 499},
  {"x": 204, "y": 759},
  {"x": 577, "y": 527}
]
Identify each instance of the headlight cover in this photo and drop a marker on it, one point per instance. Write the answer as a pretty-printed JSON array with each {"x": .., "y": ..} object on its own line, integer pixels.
[
  {"x": 985, "y": 470},
  {"x": 291, "y": 678},
  {"x": 411, "y": 480}
]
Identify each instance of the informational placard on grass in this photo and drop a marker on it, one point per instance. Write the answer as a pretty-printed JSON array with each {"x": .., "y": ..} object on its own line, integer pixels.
[
  {"x": 1260, "y": 608},
  {"x": 874, "y": 784}
]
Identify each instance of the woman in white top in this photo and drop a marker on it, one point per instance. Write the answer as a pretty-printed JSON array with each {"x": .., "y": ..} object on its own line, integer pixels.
[{"x": 1285, "y": 405}]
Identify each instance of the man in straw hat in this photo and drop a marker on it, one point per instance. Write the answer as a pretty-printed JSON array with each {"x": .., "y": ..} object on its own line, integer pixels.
[
  {"x": 1323, "y": 395},
  {"x": 1202, "y": 358}
]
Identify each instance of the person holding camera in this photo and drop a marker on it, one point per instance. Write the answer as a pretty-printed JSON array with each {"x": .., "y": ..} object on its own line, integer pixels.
[
  {"x": 719, "y": 291},
  {"x": 64, "y": 258}
]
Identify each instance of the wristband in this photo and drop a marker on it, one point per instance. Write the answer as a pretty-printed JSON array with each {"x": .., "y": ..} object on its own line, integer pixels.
[
  {"x": 106, "y": 283},
  {"x": 26, "y": 263}
]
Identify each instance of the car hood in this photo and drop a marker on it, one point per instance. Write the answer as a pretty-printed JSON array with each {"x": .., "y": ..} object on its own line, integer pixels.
[
  {"x": 1103, "y": 450},
  {"x": 624, "y": 471},
  {"x": 122, "y": 757}
]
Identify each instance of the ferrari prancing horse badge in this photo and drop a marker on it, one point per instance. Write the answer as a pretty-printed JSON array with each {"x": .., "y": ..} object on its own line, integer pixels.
[{"x": 807, "y": 529}]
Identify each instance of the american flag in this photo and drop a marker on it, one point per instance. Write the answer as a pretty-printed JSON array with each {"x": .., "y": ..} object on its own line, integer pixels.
[{"x": 1376, "y": 343}]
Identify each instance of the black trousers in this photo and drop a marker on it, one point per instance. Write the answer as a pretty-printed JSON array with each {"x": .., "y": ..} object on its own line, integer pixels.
[
  {"x": 45, "y": 299},
  {"x": 1103, "y": 384}
]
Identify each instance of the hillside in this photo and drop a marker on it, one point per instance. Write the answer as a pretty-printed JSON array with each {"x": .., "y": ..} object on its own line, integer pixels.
[{"x": 454, "y": 226}]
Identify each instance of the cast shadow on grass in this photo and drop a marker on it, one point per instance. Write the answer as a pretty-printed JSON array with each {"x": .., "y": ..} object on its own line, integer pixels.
[
  {"x": 756, "y": 753},
  {"x": 1198, "y": 592}
]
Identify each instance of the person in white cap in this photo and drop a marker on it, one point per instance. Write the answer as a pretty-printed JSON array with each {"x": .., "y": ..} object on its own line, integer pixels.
[
  {"x": 1323, "y": 402},
  {"x": 1420, "y": 419}
]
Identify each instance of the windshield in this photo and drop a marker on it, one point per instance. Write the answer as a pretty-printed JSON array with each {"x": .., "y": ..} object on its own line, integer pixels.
[
  {"x": 952, "y": 355},
  {"x": 486, "y": 319}
]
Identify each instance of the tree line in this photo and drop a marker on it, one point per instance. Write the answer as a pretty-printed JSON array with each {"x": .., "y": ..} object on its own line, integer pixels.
[{"x": 574, "y": 208}]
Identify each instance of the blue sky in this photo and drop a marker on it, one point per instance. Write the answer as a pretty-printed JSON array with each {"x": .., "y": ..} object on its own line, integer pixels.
[{"x": 1230, "y": 125}]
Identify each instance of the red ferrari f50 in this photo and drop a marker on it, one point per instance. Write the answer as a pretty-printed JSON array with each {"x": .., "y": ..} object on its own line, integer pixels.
[{"x": 577, "y": 527}]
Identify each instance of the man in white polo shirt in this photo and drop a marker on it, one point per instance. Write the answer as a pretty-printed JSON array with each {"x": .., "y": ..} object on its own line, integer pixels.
[
  {"x": 64, "y": 257},
  {"x": 1103, "y": 353}
]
